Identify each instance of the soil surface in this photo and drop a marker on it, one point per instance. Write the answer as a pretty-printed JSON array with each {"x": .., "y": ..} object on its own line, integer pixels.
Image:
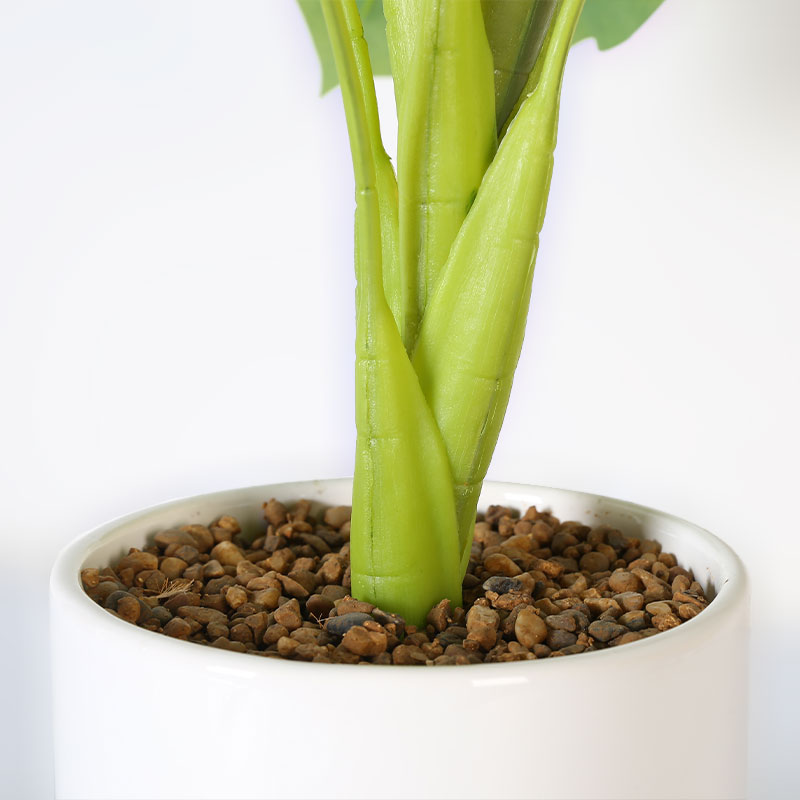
[{"x": 536, "y": 587}]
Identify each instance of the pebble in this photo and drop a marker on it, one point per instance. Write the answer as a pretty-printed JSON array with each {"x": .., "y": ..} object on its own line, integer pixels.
[
  {"x": 289, "y": 615},
  {"x": 178, "y": 628},
  {"x": 172, "y": 567},
  {"x": 482, "y": 624},
  {"x": 202, "y": 615},
  {"x": 340, "y": 624},
  {"x": 319, "y": 606},
  {"x": 630, "y": 601},
  {"x": 561, "y": 622},
  {"x": 558, "y": 639},
  {"x": 137, "y": 561},
  {"x": 227, "y": 553},
  {"x": 529, "y": 628},
  {"x": 624, "y": 581},
  {"x": 633, "y": 620},
  {"x": 503, "y": 585},
  {"x": 499, "y": 564},
  {"x": 605, "y": 630},
  {"x": 363, "y": 642}
]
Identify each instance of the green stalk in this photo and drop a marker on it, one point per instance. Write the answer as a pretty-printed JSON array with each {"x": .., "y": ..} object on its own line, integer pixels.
[
  {"x": 516, "y": 30},
  {"x": 404, "y": 545},
  {"x": 472, "y": 333},
  {"x": 447, "y": 134}
]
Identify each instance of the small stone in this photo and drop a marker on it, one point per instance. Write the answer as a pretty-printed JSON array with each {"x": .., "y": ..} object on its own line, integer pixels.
[
  {"x": 594, "y": 562},
  {"x": 241, "y": 633},
  {"x": 216, "y": 629},
  {"x": 529, "y": 628},
  {"x": 268, "y": 598},
  {"x": 502, "y": 585},
  {"x": 227, "y": 553},
  {"x": 188, "y": 553},
  {"x": 178, "y": 628},
  {"x": 292, "y": 588},
  {"x": 137, "y": 561},
  {"x": 213, "y": 569},
  {"x": 289, "y": 615},
  {"x": 348, "y": 606},
  {"x": 204, "y": 540},
  {"x": 340, "y": 624},
  {"x": 236, "y": 596},
  {"x": 202, "y": 615},
  {"x": 688, "y": 610},
  {"x": 633, "y": 620},
  {"x": 174, "y": 537},
  {"x": 161, "y": 614},
  {"x": 561, "y": 622},
  {"x": 275, "y": 512},
  {"x": 363, "y": 642},
  {"x": 91, "y": 578},
  {"x": 557, "y": 639},
  {"x": 273, "y": 633},
  {"x": 440, "y": 615},
  {"x": 319, "y": 606},
  {"x": 334, "y": 592},
  {"x": 408, "y": 655},
  {"x": 172, "y": 567},
  {"x": 337, "y": 516},
  {"x": 225, "y": 644},
  {"x": 605, "y": 630},
  {"x": 128, "y": 608},
  {"x": 623, "y": 581},
  {"x": 663, "y": 622},
  {"x": 658, "y": 607},
  {"x": 630, "y": 601},
  {"x": 499, "y": 564},
  {"x": 482, "y": 624}
]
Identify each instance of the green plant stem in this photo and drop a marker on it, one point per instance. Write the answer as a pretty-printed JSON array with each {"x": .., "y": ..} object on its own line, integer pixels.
[
  {"x": 446, "y": 134},
  {"x": 472, "y": 332},
  {"x": 516, "y": 30},
  {"x": 404, "y": 539}
]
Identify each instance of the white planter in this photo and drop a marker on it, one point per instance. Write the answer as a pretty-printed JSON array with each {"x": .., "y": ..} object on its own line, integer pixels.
[{"x": 140, "y": 715}]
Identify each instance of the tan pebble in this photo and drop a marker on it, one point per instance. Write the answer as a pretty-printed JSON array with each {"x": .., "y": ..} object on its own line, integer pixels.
[
  {"x": 664, "y": 622},
  {"x": 304, "y": 577},
  {"x": 178, "y": 628},
  {"x": 236, "y": 596},
  {"x": 440, "y": 615},
  {"x": 225, "y": 644},
  {"x": 658, "y": 607},
  {"x": 529, "y": 628},
  {"x": 128, "y": 608},
  {"x": 680, "y": 584},
  {"x": 292, "y": 588},
  {"x": 499, "y": 564},
  {"x": 630, "y": 601},
  {"x": 204, "y": 541},
  {"x": 688, "y": 610},
  {"x": 337, "y": 516},
  {"x": 626, "y": 638},
  {"x": 362, "y": 642},
  {"x": 90, "y": 577},
  {"x": 280, "y": 560},
  {"x": 288, "y": 615},
  {"x": 348, "y": 605},
  {"x": 172, "y": 567},
  {"x": 624, "y": 581},
  {"x": 173, "y": 538},
  {"x": 552, "y": 569},
  {"x": 176, "y": 601},
  {"x": 215, "y": 601},
  {"x": 482, "y": 624},
  {"x": 137, "y": 561},
  {"x": 274, "y": 512},
  {"x": 229, "y": 523},
  {"x": 602, "y": 605},
  {"x": 227, "y": 553},
  {"x": 241, "y": 632},
  {"x": 273, "y": 633},
  {"x": 202, "y": 615},
  {"x": 216, "y": 629},
  {"x": 594, "y": 562},
  {"x": 660, "y": 571},
  {"x": 331, "y": 570},
  {"x": 269, "y": 598}
]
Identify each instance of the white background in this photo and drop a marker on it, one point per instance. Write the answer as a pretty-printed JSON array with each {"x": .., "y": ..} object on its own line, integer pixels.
[{"x": 176, "y": 298}]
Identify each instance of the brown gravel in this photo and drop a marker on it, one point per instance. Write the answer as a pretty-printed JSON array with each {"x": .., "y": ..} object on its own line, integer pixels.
[{"x": 535, "y": 587}]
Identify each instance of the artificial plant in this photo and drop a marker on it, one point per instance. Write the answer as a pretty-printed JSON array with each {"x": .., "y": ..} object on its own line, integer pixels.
[{"x": 445, "y": 251}]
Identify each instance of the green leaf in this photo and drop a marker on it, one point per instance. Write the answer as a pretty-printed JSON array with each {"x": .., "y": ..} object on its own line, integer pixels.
[
  {"x": 611, "y": 22},
  {"x": 374, "y": 32}
]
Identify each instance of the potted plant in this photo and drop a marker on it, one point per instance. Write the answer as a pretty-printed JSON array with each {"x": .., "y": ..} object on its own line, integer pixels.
[{"x": 444, "y": 261}]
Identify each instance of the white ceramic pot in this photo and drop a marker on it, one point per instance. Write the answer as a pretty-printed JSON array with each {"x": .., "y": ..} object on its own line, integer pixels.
[{"x": 140, "y": 715}]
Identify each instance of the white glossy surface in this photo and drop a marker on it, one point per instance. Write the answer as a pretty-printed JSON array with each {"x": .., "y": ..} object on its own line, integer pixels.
[{"x": 599, "y": 725}]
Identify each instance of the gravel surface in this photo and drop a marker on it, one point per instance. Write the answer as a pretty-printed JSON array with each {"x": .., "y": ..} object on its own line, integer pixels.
[{"x": 535, "y": 587}]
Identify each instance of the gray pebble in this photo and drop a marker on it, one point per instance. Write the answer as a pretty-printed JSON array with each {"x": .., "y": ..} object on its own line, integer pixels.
[
  {"x": 605, "y": 630},
  {"x": 502, "y": 585},
  {"x": 338, "y": 626}
]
